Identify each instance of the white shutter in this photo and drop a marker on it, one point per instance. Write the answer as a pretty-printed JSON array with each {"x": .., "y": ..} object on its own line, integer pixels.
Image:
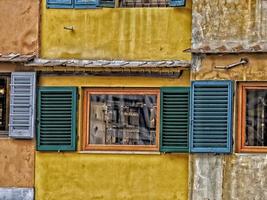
[{"x": 22, "y": 105}]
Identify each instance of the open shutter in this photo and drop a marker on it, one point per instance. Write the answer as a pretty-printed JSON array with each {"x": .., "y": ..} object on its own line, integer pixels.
[
  {"x": 211, "y": 116},
  {"x": 59, "y": 3},
  {"x": 174, "y": 119},
  {"x": 177, "y": 3},
  {"x": 56, "y": 119},
  {"x": 86, "y": 3},
  {"x": 22, "y": 105}
]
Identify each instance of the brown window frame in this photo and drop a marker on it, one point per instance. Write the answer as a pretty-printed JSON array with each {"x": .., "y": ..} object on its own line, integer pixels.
[
  {"x": 241, "y": 147},
  {"x": 86, "y": 146}
]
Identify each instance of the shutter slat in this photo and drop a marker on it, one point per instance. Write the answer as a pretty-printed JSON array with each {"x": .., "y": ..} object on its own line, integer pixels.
[
  {"x": 59, "y": 4},
  {"x": 57, "y": 119},
  {"x": 177, "y": 3},
  {"x": 174, "y": 119},
  {"x": 22, "y": 105},
  {"x": 211, "y": 116},
  {"x": 86, "y": 3}
]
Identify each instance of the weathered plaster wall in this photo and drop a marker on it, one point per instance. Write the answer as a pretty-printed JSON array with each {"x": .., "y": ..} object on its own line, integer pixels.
[
  {"x": 116, "y": 33},
  {"x": 228, "y": 22},
  {"x": 245, "y": 177},
  {"x": 234, "y": 176},
  {"x": 19, "y": 26},
  {"x": 206, "y": 177},
  {"x": 16, "y": 163}
]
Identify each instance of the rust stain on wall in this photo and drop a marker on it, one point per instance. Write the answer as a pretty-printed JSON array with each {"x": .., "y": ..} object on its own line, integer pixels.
[
  {"x": 19, "y": 26},
  {"x": 16, "y": 163}
]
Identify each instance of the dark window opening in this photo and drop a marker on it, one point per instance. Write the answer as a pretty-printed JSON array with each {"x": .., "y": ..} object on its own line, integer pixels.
[
  {"x": 256, "y": 118},
  {"x": 144, "y": 3},
  {"x": 3, "y": 103}
]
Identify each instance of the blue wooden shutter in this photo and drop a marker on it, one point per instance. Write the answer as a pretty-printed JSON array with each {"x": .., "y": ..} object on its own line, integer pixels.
[
  {"x": 107, "y": 3},
  {"x": 177, "y": 3},
  {"x": 211, "y": 116},
  {"x": 86, "y": 3},
  {"x": 174, "y": 119},
  {"x": 59, "y": 3},
  {"x": 22, "y": 105},
  {"x": 56, "y": 119}
]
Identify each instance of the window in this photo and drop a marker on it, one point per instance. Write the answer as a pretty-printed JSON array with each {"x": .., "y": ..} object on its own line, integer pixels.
[
  {"x": 252, "y": 134},
  {"x": 4, "y": 94},
  {"x": 121, "y": 119},
  {"x": 111, "y": 3},
  {"x": 151, "y": 3}
]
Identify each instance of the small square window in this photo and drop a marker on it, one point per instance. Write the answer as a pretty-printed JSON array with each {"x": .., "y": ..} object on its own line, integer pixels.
[
  {"x": 252, "y": 135},
  {"x": 120, "y": 119}
]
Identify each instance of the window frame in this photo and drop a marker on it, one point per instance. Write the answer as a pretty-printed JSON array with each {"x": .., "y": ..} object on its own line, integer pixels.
[
  {"x": 86, "y": 146},
  {"x": 242, "y": 87}
]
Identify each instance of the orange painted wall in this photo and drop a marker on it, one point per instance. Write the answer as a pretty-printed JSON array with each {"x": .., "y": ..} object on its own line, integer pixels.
[{"x": 19, "y": 26}]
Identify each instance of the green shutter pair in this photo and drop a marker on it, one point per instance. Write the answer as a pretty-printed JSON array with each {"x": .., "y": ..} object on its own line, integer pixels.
[{"x": 208, "y": 127}]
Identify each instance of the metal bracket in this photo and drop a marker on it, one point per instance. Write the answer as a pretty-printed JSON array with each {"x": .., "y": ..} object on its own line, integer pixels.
[{"x": 243, "y": 61}]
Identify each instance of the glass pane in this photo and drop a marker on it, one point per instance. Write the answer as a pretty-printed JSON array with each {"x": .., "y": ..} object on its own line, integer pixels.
[
  {"x": 144, "y": 3},
  {"x": 2, "y": 104},
  {"x": 256, "y": 118},
  {"x": 117, "y": 119}
]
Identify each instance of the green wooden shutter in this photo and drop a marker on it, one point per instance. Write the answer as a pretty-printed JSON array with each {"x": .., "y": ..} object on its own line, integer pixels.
[
  {"x": 56, "y": 119},
  {"x": 174, "y": 119}
]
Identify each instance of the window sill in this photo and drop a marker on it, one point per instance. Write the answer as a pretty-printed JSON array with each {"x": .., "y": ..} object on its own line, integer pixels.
[
  {"x": 4, "y": 135},
  {"x": 122, "y": 152}
]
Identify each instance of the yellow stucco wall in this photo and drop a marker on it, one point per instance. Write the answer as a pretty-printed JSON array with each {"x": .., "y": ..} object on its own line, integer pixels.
[
  {"x": 69, "y": 176},
  {"x": 73, "y": 176},
  {"x": 116, "y": 33}
]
